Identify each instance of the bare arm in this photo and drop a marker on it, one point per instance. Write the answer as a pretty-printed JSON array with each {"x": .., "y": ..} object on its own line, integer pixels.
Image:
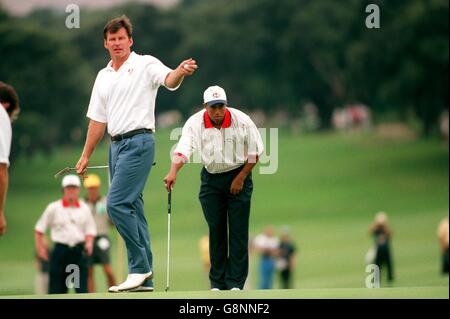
[
  {"x": 175, "y": 77},
  {"x": 41, "y": 246},
  {"x": 95, "y": 133},
  {"x": 89, "y": 244},
  {"x": 3, "y": 191}
]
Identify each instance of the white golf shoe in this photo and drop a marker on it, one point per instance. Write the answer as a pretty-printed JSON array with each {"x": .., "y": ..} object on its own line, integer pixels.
[
  {"x": 133, "y": 281},
  {"x": 142, "y": 289}
]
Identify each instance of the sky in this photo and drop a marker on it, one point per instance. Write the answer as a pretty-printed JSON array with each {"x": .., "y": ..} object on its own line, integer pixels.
[{"x": 23, "y": 7}]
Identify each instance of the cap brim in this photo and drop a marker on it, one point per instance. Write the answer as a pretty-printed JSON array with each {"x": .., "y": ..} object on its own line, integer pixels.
[{"x": 214, "y": 102}]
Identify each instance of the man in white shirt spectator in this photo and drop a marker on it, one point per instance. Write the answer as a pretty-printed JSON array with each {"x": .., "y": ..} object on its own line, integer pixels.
[
  {"x": 123, "y": 100},
  {"x": 72, "y": 229},
  {"x": 230, "y": 145},
  {"x": 9, "y": 109},
  {"x": 266, "y": 244}
]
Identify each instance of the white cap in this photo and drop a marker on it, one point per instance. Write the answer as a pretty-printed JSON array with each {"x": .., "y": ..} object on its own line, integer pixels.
[
  {"x": 71, "y": 180},
  {"x": 214, "y": 95}
]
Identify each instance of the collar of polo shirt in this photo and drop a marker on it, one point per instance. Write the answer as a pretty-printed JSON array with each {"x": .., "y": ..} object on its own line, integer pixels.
[
  {"x": 226, "y": 121},
  {"x": 128, "y": 61},
  {"x": 66, "y": 204}
]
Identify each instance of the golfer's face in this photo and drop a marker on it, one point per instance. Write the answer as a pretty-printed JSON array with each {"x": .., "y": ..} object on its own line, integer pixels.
[
  {"x": 216, "y": 113},
  {"x": 118, "y": 44}
]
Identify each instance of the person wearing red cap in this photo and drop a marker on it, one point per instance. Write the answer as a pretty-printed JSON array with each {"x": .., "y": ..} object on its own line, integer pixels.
[{"x": 72, "y": 230}]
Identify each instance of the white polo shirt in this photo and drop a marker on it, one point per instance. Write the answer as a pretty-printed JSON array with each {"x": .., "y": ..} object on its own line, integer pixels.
[
  {"x": 125, "y": 99},
  {"x": 221, "y": 150},
  {"x": 266, "y": 243},
  {"x": 68, "y": 225},
  {"x": 5, "y": 136}
]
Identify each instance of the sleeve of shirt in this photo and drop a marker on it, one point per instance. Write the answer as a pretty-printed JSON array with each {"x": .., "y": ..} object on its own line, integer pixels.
[
  {"x": 254, "y": 140},
  {"x": 45, "y": 220},
  {"x": 5, "y": 140},
  {"x": 187, "y": 144},
  {"x": 90, "y": 229},
  {"x": 97, "y": 106},
  {"x": 157, "y": 73}
]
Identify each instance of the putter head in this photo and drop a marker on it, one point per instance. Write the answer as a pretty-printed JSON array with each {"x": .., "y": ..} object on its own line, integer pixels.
[
  {"x": 63, "y": 171},
  {"x": 167, "y": 289}
]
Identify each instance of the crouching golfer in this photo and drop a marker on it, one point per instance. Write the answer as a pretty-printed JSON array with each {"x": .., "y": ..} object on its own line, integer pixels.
[
  {"x": 230, "y": 145},
  {"x": 123, "y": 99},
  {"x": 72, "y": 230}
]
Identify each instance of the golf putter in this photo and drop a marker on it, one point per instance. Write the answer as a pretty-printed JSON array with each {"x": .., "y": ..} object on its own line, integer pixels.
[
  {"x": 169, "y": 209},
  {"x": 68, "y": 169}
]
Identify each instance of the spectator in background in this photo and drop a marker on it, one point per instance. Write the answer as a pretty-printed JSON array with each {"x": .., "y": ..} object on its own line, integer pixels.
[
  {"x": 382, "y": 234},
  {"x": 42, "y": 272},
  {"x": 9, "y": 109},
  {"x": 443, "y": 241},
  {"x": 72, "y": 230},
  {"x": 286, "y": 259},
  {"x": 266, "y": 245},
  {"x": 102, "y": 244},
  {"x": 203, "y": 245}
]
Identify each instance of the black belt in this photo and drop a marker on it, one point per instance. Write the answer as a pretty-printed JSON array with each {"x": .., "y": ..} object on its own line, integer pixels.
[{"x": 120, "y": 137}]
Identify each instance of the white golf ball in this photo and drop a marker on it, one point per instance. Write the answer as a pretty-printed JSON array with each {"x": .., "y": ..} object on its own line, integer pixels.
[{"x": 186, "y": 66}]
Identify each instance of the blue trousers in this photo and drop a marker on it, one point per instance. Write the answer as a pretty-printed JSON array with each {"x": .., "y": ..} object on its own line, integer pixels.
[
  {"x": 267, "y": 268},
  {"x": 130, "y": 162}
]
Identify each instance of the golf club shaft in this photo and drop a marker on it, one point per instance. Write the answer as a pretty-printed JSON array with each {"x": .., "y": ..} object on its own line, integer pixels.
[{"x": 169, "y": 209}]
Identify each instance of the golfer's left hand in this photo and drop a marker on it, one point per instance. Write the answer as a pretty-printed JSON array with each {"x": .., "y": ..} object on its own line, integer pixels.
[{"x": 237, "y": 185}]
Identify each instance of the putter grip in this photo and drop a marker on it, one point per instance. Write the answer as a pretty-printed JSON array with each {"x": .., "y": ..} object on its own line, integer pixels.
[{"x": 169, "y": 202}]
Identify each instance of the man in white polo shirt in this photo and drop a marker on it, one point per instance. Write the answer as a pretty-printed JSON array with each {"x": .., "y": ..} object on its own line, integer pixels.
[
  {"x": 123, "y": 99},
  {"x": 230, "y": 145},
  {"x": 73, "y": 231},
  {"x": 9, "y": 109}
]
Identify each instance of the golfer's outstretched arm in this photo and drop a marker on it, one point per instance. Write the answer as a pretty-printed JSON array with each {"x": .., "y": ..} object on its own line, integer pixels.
[
  {"x": 3, "y": 191},
  {"x": 95, "y": 133},
  {"x": 171, "y": 177}
]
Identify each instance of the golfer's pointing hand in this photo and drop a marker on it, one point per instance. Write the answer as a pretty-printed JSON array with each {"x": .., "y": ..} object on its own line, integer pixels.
[{"x": 188, "y": 67}]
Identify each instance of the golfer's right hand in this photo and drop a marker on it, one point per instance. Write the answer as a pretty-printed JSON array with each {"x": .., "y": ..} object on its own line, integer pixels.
[
  {"x": 82, "y": 165},
  {"x": 169, "y": 181}
]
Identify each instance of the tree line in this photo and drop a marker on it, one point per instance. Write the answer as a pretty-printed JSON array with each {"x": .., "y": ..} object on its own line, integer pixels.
[{"x": 270, "y": 55}]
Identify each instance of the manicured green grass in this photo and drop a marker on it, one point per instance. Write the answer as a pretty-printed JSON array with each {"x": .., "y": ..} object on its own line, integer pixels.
[
  {"x": 336, "y": 293},
  {"x": 327, "y": 189}
]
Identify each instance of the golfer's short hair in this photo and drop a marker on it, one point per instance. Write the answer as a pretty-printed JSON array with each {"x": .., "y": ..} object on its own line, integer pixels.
[
  {"x": 116, "y": 24},
  {"x": 9, "y": 95}
]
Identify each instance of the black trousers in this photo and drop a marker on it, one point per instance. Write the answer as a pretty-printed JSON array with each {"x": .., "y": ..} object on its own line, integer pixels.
[
  {"x": 383, "y": 258},
  {"x": 285, "y": 276},
  {"x": 60, "y": 274},
  {"x": 445, "y": 262},
  {"x": 227, "y": 216}
]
